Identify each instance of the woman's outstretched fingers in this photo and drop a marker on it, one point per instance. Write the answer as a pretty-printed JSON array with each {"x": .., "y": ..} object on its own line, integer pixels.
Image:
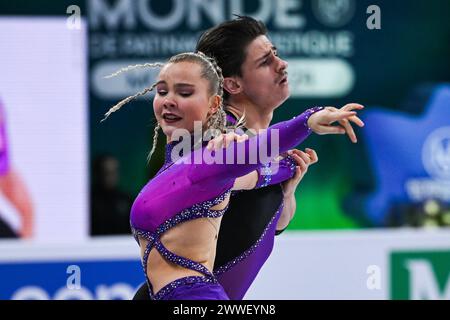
[
  {"x": 352, "y": 106},
  {"x": 357, "y": 121},
  {"x": 350, "y": 132},
  {"x": 345, "y": 115},
  {"x": 332, "y": 130}
]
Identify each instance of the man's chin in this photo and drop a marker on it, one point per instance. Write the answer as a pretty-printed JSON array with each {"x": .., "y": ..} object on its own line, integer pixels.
[{"x": 283, "y": 99}]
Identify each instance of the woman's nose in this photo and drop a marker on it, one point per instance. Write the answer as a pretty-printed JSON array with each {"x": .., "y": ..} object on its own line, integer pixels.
[{"x": 169, "y": 103}]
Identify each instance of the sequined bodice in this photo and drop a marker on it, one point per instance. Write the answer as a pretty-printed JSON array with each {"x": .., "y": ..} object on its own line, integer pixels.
[{"x": 200, "y": 210}]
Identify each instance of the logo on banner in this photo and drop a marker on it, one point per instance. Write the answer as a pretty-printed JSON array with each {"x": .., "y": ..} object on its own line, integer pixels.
[
  {"x": 436, "y": 154},
  {"x": 420, "y": 275},
  {"x": 133, "y": 32},
  {"x": 410, "y": 156},
  {"x": 334, "y": 13}
]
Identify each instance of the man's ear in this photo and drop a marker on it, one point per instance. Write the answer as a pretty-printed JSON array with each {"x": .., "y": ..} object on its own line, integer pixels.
[{"x": 232, "y": 85}]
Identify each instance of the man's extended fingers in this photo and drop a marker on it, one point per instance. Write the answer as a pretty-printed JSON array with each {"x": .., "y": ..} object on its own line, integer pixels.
[
  {"x": 313, "y": 155},
  {"x": 303, "y": 166},
  {"x": 303, "y": 155}
]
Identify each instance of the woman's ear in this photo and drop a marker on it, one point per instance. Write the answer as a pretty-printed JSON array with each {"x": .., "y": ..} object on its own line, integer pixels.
[
  {"x": 232, "y": 85},
  {"x": 215, "y": 103}
]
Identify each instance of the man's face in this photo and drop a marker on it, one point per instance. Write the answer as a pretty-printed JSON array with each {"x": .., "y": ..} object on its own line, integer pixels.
[{"x": 264, "y": 76}]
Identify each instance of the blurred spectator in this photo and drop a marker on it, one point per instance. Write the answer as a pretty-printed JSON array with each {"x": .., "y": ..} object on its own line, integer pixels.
[
  {"x": 13, "y": 189},
  {"x": 110, "y": 207}
]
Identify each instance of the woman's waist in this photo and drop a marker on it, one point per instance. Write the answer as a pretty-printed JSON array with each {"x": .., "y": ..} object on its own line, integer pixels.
[{"x": 161, "y": 271}]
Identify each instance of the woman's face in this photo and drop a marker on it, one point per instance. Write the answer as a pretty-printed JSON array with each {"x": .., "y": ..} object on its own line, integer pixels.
[{"x": 182, "y": 97}]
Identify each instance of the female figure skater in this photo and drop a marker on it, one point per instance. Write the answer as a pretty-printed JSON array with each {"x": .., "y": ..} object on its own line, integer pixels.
[{"x": 177, "y": 215}]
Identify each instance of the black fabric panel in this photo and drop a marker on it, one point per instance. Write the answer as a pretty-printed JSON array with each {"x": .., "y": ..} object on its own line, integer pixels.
[
  {"x": 243, "y": 223},
  {"x": 142, "y": 293}
]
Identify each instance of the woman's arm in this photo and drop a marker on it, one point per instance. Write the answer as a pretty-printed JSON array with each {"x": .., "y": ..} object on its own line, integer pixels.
[{"x": 240, "y": 159}]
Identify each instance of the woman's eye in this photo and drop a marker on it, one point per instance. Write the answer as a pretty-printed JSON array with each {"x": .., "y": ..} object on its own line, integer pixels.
[
  {"x": 162, "y": 93},
  {"x": 185, "y": 94}
]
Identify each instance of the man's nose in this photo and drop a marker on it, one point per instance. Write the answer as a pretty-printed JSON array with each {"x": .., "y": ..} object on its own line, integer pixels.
[{"x": 282, "y": 65}]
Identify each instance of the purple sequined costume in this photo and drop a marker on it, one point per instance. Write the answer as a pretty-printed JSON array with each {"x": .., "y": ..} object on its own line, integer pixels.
[{"x": 182, "y": 192}]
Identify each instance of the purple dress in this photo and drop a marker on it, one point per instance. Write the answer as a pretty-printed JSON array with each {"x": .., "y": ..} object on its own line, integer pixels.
[
  {"x": 4, "y": 159},
  {"x": 181, "y": 192}
]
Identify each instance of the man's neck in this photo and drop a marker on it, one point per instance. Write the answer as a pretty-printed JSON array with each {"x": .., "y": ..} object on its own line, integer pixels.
[{"x": 255, "y": 118}]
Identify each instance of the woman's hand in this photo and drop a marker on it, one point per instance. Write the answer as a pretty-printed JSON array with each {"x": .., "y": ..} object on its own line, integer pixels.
[{"x": 321, "y": 122}]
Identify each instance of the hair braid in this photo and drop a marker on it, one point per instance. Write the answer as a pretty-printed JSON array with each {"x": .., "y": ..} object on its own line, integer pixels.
[
  {"x": 145, "y": 65},
  {"x": 127, "y": 100},
  {"x": 155, "y": 141},
  {"x": 217, "y": 121}
]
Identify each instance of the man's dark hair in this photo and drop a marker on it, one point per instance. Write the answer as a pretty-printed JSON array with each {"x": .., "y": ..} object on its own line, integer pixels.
[{"x": 228, "y": 42}]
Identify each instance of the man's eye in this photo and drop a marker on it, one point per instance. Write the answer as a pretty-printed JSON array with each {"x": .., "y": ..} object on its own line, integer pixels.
[{"x": 266, "y": 62}]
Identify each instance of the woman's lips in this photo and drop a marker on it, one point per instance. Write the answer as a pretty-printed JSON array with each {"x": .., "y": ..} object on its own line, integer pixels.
[{"x": 171, "y": 118}]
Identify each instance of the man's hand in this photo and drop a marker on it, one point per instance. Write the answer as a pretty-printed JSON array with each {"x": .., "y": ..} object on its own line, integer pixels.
[{"x": 303, "y": 160}]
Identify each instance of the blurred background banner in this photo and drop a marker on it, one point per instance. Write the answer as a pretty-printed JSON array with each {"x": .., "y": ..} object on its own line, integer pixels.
[
  {"x": 372, "y": 218},
  {"x": 382, "y": 264},
  {"x": 43, "y": 105},
  {"x": 334, "y": 58}
]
